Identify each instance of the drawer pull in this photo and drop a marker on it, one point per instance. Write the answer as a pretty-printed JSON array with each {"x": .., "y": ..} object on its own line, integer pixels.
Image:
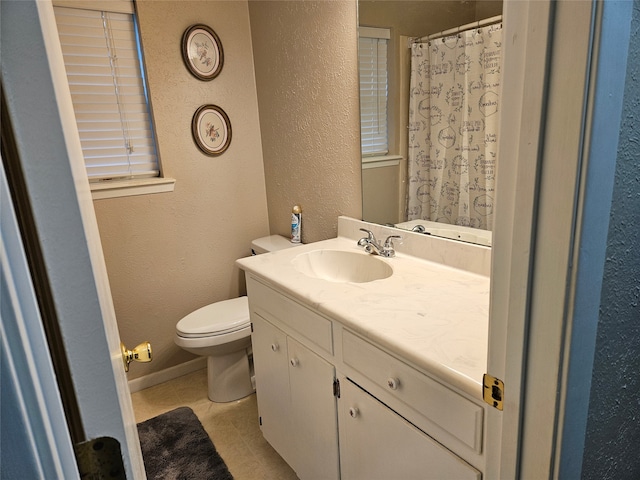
[
  {"x": 393, "y": 383},
  {"x": 294, "y": 362},
  {"x": 354, "y": 412},
  {"x": 275, "y": 347}
]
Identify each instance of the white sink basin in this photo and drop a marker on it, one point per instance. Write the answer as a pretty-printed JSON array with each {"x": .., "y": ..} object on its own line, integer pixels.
[{"x": 342, "y": 266}]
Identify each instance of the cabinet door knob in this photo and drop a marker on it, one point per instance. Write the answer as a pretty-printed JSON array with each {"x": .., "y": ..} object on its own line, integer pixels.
[
  {"x": 354, "y": 412},
  {"x": 294, "y": 362},
  {"x": 275, "y": 347},
  {"x": 393, "y": 383}
]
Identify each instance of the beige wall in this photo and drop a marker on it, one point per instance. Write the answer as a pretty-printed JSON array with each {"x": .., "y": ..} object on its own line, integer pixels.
[
  {"x": 416, "y": 18},
  {"x": 305, "y": 54},
  {"x": 170, "y": 253},
  {"x": 488, "y": 8},
  {"x": 381, "y": 201}
]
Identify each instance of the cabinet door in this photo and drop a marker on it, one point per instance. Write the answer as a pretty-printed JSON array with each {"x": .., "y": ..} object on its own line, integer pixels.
[
  {"x": 377, "y": 443},
  {"x": 313, "y": 414},
  {"x": 271, "y": 365}
]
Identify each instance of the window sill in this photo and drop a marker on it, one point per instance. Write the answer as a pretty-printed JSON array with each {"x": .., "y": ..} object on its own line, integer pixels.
[
  {"x": 126, "y": 188},
  {"x": 381, "y": 161}
]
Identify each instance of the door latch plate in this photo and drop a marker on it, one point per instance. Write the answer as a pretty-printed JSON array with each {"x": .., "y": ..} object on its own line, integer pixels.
[{"x": 493, "y": 391}]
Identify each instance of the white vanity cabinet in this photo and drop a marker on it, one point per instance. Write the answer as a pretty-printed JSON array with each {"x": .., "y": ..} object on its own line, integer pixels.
[
  {"x": 397, "y": 422},
  {"x": 295, "y": 391},
  {"x": 392, "y": 420},
  {"x": 454, "y": 420},
  {"x": 378, "y": 444}
]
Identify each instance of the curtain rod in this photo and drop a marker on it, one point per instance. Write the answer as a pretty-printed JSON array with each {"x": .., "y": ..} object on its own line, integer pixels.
[{"x": 462, "y": 28}]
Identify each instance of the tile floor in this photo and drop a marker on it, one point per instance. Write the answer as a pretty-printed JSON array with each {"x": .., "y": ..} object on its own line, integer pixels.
[{"x": 233, "y": 427}]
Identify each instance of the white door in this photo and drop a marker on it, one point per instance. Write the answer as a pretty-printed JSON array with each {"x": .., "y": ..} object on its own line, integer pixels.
[
  {"x": 313, "y": 413},
  {"x": 52, "y": 185},
  {"x": 563, "y": 82},
  {"x": 296, "y": 403},
  {"x": 272, "y": 385},
  {"x": 378, "y": 444}
]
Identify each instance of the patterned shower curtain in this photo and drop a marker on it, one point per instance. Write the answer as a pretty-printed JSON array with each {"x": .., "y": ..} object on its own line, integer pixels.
[{"x": 453, "y": 127}]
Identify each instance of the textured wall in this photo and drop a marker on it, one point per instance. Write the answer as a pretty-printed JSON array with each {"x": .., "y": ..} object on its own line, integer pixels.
[
  {"x": 613, "y": 429},
  {"x": 305, "y": 55},
  {"x": 417, "y": 18},
  {"x": 170, "y": 253}
]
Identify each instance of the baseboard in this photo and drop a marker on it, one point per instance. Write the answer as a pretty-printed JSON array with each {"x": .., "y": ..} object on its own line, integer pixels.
[{"x": 167, "y": 374}]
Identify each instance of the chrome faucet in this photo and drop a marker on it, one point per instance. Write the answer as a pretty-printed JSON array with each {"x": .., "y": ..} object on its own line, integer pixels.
[{"x": 372, "y": 246}]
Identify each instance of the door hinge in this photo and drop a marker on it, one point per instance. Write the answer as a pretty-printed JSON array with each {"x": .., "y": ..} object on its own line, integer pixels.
[
  {"x": 493, "y": 391},
  {"x": 260, "y": 419},
  {"x": 251, "y": 327},
  {"x": 336, "y": 388},
  {"x": 100, "y": 458}
]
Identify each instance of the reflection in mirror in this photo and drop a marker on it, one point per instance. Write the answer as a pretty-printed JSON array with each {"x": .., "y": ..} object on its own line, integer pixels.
[{"x": 439, "y": 164}]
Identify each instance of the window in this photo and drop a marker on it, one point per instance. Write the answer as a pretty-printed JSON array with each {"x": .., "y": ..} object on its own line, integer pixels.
[
  {"x": 372, "y": 53},
  {"x": 104, "y": 69}
]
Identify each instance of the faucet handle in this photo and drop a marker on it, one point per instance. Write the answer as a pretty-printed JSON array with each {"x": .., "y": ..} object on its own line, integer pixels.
[
  {"x": 388, "y": 250},
  {"x": 370, "y": 237},
  {"x": 369, "y": 233},
  {"x": 388, "y": 243}
]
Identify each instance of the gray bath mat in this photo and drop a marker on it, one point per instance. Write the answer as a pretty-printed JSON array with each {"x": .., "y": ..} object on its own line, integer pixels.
[{"x": 175, "y": 446}]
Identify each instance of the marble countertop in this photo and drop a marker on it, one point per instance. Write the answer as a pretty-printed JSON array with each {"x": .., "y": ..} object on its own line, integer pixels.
[{"x": 432, "y": 315}]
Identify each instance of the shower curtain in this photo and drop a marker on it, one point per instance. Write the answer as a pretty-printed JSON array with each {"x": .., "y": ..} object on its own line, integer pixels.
[{"x": 453, "y": 127}]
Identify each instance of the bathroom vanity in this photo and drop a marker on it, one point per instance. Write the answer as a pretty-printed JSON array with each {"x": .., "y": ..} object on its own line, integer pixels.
[{"x": 364, "y": 379}]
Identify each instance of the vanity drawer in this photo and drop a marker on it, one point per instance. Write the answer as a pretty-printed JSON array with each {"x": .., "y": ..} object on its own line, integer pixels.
[
  {"x": 447, "y": 409},
  {"x": 269, "y": 303}
]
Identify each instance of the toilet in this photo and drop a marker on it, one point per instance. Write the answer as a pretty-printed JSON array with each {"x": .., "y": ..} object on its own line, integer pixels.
[{"x": 221, "y": 332}]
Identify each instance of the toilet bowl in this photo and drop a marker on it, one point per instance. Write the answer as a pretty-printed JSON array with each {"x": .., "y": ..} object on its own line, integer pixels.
[{"x": 221, "y": 332}]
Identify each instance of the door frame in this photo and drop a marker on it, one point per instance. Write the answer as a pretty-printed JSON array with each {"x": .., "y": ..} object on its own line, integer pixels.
[
  {"x": 530, "y": 336},
  {"x": 30, "y": 396},
  {"x": 56, "y": 189},
  {"x": 558, "y": 149}
]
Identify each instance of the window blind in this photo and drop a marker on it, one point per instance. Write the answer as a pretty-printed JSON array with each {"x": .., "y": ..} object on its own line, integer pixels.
[
  {"x": 372, "y": 53},
  {"x": 105, "y": 75}
]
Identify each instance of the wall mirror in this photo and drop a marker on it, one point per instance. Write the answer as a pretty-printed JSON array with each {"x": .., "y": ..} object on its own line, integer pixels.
[{"x": 436, "y": 172}]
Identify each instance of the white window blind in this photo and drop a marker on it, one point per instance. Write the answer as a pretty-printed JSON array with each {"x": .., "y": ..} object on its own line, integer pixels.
[
  {"x": 105, "y": 76},
  {"x": 372, "y": 53}
]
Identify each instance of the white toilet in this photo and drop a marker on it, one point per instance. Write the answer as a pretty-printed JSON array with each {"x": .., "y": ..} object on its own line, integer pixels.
[{"x": 222, "y": 332}]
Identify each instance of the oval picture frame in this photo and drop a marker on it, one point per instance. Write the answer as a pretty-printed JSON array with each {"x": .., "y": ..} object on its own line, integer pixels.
[
  {"x": 202, "y": 52},
  {"x": 211, "y": 129}
]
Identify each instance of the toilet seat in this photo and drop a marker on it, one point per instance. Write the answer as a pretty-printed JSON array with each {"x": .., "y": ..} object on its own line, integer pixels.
[{"x": 220, "y": 318}]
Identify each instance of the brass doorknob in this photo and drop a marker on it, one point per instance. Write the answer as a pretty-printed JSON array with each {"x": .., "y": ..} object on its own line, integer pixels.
[{"x": 141, "y": 353}]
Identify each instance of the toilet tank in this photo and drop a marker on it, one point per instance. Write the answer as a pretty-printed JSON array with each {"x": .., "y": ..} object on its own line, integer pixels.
[{"x": 271, "y": 244}]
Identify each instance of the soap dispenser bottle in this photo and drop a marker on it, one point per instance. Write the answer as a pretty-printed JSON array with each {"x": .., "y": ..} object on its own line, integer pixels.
[{"x": 296, "y": 224}]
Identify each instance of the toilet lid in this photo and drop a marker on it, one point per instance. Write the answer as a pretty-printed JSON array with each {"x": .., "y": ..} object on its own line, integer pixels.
[{"x": 218, "y": 318}]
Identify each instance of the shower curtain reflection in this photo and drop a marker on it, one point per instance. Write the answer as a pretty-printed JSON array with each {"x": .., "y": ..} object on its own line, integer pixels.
[{"x": 453, "y": 127}]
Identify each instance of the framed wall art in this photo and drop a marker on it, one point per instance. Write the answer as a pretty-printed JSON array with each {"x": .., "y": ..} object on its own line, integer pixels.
[
  {"x": 202, "y": 52},
  {"x": 211, "y": 130}
]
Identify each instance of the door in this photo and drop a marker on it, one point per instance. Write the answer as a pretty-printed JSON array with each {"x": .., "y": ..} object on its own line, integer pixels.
[
  {"x": 563, "y": 79},
  {"x": 272, "y": 385},
  {"x": 313, "y": 413},
  {"x": 30, "y": 394},
  {"x": 296, "y": 403},
  {"x": 377, "y": 443},
  {"x": 49, "y": 182}
]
